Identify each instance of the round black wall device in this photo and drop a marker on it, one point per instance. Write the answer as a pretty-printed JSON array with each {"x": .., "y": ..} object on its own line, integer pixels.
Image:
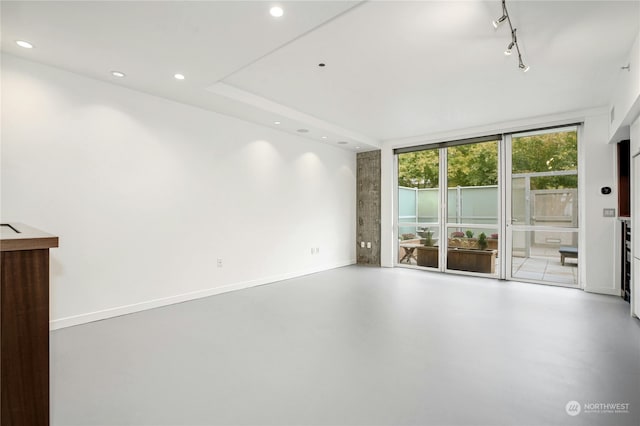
[{"x": 605, "y": 190}]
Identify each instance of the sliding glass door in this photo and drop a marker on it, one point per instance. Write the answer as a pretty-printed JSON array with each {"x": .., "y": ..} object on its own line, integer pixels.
[
  {"x": 448, "y": 203},
  {"x": 473, "y": 203},
  {"x": 543, "y": 214},
  {"x": 419, "y": 204},
  {"x": 503, "y": 206}
]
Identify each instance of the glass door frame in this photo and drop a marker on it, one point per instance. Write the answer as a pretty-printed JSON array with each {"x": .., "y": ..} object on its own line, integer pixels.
[
  {"x": 417, "y": 223},
  {"x": 504, "y": 221},
  {"x": 444, "y": 177},
  {"x": 509, "y": 227},
  {"x": 443, "y": 207}
]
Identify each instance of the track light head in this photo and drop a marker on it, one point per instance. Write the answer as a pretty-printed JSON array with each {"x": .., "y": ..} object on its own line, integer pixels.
[
  {"x": 507, "y": 52},
  {"x": 523, "y": 67},
  {"x": 499, "y": 21}
]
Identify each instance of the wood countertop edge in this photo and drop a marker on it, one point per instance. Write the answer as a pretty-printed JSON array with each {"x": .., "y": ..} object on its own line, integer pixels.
[{"x": 28, "y": 238}]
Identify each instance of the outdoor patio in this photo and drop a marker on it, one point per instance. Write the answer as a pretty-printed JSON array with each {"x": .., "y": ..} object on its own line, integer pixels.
[{"x": 542, "y": 265}]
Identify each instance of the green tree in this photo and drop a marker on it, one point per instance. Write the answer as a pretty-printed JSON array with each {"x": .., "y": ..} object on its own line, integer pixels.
[
  {"x": 546, "y": 153},
  {"x": 419, "y": 169},
  {"x": 477, "y": 164},
  {"x": 473, "y": 165}
]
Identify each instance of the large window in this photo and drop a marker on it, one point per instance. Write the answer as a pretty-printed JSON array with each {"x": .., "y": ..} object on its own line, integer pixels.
[{"x": 451, "y": 212}]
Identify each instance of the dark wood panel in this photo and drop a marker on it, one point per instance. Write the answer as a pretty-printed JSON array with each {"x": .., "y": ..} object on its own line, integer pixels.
[
  {"x": 24, "y": 337},
  {"x": 624, "y": 178}
]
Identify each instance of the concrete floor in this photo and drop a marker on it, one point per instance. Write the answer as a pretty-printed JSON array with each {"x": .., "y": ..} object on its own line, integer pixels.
[{"x": 356, "y": 346}]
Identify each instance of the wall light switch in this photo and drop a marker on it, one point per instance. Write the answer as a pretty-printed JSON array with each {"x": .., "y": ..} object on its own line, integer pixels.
[{"x": 608, "y": 212}]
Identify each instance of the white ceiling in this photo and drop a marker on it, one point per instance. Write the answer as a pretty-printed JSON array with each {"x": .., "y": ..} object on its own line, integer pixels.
[{"x": 393, "y": 69}]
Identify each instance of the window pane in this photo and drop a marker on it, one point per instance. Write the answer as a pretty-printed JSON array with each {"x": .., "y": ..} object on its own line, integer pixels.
[{"x": 545, "y": 152}]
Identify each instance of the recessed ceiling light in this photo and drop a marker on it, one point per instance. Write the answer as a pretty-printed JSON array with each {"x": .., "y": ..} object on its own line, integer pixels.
[
  {"x": 24, "y": 44},
  {"x": 179, "y": 76},
  {"x": 276, "y": 122},
  {"x": 324, "y": 137},
  {"x": 342, "y": 142},
  {"x": 276, "y": 11},
  {"x": 303, "y": 130},
  {"x": 118, "y": 74},
  {"x": 357, "y": 147}
]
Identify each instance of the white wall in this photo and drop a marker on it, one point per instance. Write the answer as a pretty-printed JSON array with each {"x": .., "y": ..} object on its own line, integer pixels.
[
  {"x": 147, "y": 193},
  {"x": 626, "y": 95},
  {"x": 596, "y": 168},
  {"x": 600, "y": 254}
]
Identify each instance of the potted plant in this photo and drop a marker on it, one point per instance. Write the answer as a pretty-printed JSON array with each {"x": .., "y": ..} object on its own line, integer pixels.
[
  {"x": 428, "y": 252},
  {"x": 463, "y": 240},
  {"x": 455, "y": 240},
  {"x": 473, "y": 258},
  {"x": 482, "y": 241}
]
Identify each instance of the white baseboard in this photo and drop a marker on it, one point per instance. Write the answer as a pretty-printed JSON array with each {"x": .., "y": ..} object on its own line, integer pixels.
[
  {"x": 603, "y": 290},
  {"x": 156, "y": 303}
]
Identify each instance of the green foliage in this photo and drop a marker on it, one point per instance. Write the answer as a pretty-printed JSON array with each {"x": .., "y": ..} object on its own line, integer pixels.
[
  {"x": 419, "y": 169},
  {"x": 546, "y": 153},
  {"x": 473, "y": 165},
  {"x": 469, "y": 233},
  {"x": 482, "y": 241},
  {"x": 428, "y": 237},
  {"x": 477, "y": 164}
]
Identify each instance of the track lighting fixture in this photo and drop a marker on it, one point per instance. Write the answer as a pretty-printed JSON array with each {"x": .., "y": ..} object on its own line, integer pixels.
[
  {"x": 499, "y": 21},
  {"x": 508, "y": 51},
  {"x": 514, "y": 38}
]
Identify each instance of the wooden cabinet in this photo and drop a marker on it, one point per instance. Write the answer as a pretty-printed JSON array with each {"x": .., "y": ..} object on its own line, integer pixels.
[
  {"x": 624, "y": 179},
  {"x": 24, "y": 325}
]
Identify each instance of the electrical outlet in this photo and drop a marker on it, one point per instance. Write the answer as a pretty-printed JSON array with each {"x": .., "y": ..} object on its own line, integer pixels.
[
  {"x": 368, "y": 244},
  {"x": 219, "y": 263},
  {"x": 313, "y": 251},
  {"x": 362, "y": 244},
  {"x": 317, "y": 250}
]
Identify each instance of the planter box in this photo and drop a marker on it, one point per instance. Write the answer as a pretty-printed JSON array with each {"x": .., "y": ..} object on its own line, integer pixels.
[
  {"x": 483, "y": 261},
  {"x": 427, "y": 256},
  {"x": 472, "y": 243},
  {"x": 468, "y": 243}
]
